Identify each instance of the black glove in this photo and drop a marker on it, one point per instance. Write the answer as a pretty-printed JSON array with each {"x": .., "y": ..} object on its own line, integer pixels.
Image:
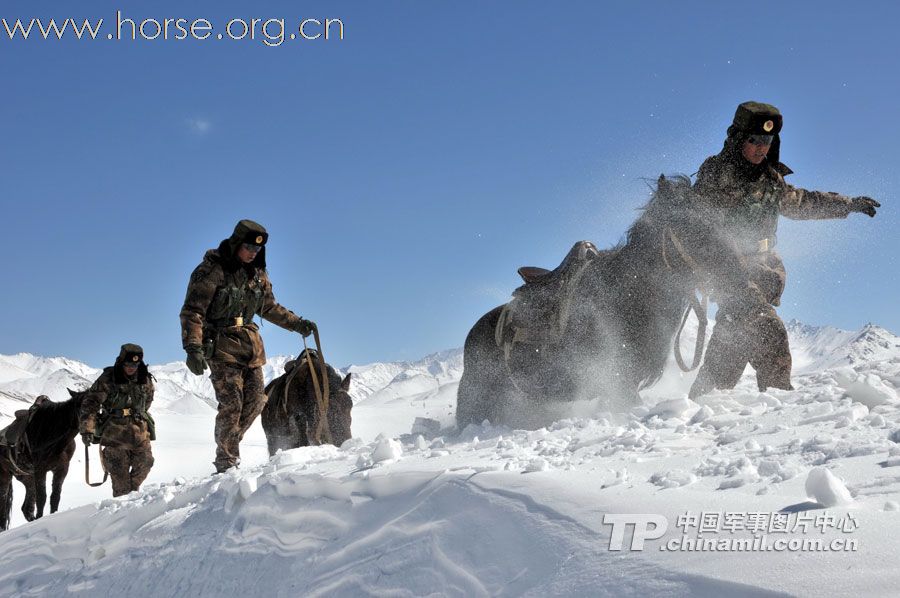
[
  {"x": 87, "y": 438},
  {"x": 864, "y": 204},
  {"x": 196, "y": 362},
  {"x": 306, "y": 327}
]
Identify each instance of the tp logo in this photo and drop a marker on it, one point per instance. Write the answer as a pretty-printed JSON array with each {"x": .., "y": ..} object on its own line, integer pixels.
[{"x": 642, "y": 530}]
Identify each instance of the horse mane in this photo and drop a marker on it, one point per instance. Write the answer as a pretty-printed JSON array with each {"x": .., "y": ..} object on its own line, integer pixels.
[
  {"x": 670, "y": 200},
  {"x": 635, "y": 266}
]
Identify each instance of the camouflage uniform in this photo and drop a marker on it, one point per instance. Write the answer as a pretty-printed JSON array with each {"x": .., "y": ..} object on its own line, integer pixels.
[
  {"x": 749, "y": 199},
  {"x": 115, "y": 414},
  {"x": 222, "y": 298}
]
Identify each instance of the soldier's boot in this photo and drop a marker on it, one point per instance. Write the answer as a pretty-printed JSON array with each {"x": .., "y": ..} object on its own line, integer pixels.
[
  {"x": 141, "y": 463},
  {"x": 772, "y": 357},
  {"x": 116, "y": 462},
  {"x": 725, "y": 359}
]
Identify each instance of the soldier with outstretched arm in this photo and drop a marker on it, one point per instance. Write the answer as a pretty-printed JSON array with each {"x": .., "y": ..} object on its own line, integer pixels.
[
  {"x": 227, "y": 289},
  {"x": 745, "y": 187}
]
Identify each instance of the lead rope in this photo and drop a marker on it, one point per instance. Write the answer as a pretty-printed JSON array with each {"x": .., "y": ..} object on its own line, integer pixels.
[
  {"x": 87, "y": 469},
  {"x": 322, "y": 392},
  {"x": 699, "y": 307}
]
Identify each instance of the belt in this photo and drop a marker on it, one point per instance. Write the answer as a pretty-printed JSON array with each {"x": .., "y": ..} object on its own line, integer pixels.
[
  {"x": 229, "y": 322},
  {"x": 762, "y": 246},
  {"x": 127, "y": 412}
]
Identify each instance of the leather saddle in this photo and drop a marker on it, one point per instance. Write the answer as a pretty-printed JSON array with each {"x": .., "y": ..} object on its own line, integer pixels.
[
  {"x": 539, "y": 311},
  {"x": 581, "y": 252}
]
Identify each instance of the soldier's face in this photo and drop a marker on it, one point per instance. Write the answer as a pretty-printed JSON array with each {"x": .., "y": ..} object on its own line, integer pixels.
[
  {"x": 131, "y": 369},
  {"x": 754, "y": 153},
  {"x": 246, "y": 254}
]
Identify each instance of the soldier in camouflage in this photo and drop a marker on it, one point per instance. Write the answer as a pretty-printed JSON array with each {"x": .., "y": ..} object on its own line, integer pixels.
[
  {"x": 115, "y": 413},
  {"x": 225, "y": 292},
  {"x": 745, "y": 186}
]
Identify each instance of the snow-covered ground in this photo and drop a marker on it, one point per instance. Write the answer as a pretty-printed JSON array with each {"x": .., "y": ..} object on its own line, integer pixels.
[{"x": 413, "y": 507}]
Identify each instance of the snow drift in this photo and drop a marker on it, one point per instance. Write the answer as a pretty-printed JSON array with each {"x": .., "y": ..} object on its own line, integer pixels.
[{"x": 491, "y": 510}]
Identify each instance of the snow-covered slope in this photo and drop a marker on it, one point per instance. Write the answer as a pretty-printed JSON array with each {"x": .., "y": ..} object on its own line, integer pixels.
[{"x": 492, "y": 510}]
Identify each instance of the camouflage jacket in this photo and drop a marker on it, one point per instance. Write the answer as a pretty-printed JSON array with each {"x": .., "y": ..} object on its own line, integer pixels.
[
  {"x": 219, "y": 307},
  {"x": 751, "y": 199},
  {"x": 125, "y": 404}
]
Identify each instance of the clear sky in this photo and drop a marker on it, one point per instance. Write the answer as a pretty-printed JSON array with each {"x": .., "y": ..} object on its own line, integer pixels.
[{"x": 405, "y": 172}]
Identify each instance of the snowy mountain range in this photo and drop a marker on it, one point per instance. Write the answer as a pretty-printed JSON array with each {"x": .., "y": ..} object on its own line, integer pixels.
[
  {"x": 816, "y": 348},
  {"x": 24, "y": 376}
]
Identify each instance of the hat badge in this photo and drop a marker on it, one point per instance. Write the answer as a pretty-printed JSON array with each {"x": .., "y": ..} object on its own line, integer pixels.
[
  {"x": 259, "y": 240},
  {"x": 768, "y": 126},
  {"x": 135, "y": 358}
]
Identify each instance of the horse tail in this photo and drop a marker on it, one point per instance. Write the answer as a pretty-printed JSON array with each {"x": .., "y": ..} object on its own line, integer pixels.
[
  {"x": 6, "y": 488},
  {"x": 7, "y": 508}
]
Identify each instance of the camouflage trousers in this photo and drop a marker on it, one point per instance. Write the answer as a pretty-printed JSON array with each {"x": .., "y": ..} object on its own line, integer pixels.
[
  {"x": 126, "y": 454},
  {"x": 748, "y": 330},
  {"x": 240, "y": 392}
]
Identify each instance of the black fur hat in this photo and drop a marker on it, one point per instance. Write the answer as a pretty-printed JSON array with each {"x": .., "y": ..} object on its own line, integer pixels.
[
  {"x": 756, "y": 118},
  {"x": 131, "y": 353},
  {"x": 245, "y": 231}
]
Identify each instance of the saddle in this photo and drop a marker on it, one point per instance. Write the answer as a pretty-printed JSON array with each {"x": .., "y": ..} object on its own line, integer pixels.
[
  {"x": 539, "y": 311},
  {"x": 581, "y": 252},
  {"x": 12, "y": 434},
  {"x": 14, "y": 446},
  {"x": 300, "y": 361}
]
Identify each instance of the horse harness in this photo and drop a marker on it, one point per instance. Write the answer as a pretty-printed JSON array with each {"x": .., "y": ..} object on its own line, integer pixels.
[
  {"x": 322, "y": 392},
  {"x": 698, "y": 306}
]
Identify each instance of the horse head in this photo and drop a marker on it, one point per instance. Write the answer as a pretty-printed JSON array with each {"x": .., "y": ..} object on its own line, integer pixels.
[
  {"x": 339, "y": 418},
  {"x": 683, "y": 234}
]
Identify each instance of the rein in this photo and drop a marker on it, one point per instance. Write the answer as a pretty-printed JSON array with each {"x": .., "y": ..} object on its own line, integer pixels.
[
  {"x": 322, "y": 391},
  {"x": 699, "y": 307},
  {"x": 87, "y": 470}
]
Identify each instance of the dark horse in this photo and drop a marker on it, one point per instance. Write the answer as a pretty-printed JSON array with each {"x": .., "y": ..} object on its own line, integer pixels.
[
  {"x": 602, "y": 327},
  {"x": 292, "y": 414},
  {"x": 49, "y": 442}
]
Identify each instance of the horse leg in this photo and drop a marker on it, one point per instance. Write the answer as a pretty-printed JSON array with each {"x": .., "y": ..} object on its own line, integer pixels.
[
  {"x": 28, "y": 504},
  {"x": 271, "y": 442},
  {"x": 485, "y": 389},
  {"x": 59, "y": 476},
  {"x": 40, "y": 491}
]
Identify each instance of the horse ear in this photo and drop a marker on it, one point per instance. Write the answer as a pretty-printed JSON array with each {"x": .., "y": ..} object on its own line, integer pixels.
[{"x": 345, "y": 383}]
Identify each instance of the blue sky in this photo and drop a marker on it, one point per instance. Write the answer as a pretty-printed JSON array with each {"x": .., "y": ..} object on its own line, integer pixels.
[{"x": 405, "y": 172}]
